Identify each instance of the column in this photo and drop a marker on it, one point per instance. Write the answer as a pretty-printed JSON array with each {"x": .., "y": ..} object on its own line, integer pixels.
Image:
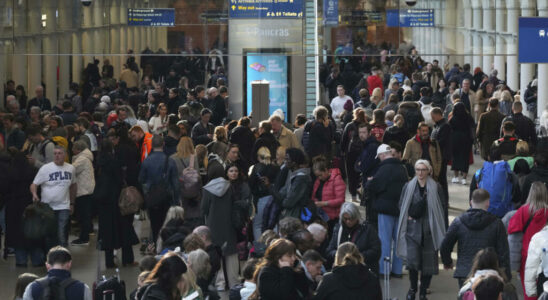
[
  {"x": 477, "y": 23},
  {"x": 3, "y": 66},
  {"x": 65, "y": 42},
  {"x": 99, "y": 37},
  {"x": 50, "y": 50},
  {"x": 527, "y": 70},
  {"x": 87, "y": 35},
  {"x": 542, "y": 93},
  {"x": 115, "y": 60},
  {"x": 19, "y": 63},
  {"x": 34, "y": 47},
  {"x": 500, "y": 41},
  {"x": 449, "y": 37},
  {"x": 488, "y": 40},
  {"x": 512, "y": 74},
  {"x": 123, "y": 29},
  {"x": 77, "y": 59}
]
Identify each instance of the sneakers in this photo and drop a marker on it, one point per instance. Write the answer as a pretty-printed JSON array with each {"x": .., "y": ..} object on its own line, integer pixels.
[
  {"x": 455, "y": 180},
  {"x": 463, "y": 181},
  {"x": 79, "y": 242}
]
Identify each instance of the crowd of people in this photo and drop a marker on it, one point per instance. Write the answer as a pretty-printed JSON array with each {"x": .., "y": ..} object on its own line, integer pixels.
[{"x": 261, "y": 213}]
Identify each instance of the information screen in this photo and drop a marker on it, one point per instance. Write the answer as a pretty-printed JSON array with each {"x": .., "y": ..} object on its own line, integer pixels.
[
  {"x": 410, "y": 18},
  {"x": 533, "y": 40},
  {"x": 152, "y": 17},
  {"x": 273, "y": 9},
  {"x": 272, "y": 68}
]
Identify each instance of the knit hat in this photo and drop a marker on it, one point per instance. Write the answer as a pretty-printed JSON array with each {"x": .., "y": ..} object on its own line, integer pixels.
[{"x": 348, "y": 105}]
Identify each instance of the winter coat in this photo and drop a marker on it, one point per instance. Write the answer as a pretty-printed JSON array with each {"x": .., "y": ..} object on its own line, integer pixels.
[
  {"x": 153, "y": 292},
  {"x": 170, "y": 145},
  {"x": 442, "y": 134},
  {"x": 333, "y": 192},
  {"x": 488, "y": 130},
  {"x": 77, "y": 290},
  {"x": 534, "y": 264},
  {"x": 85, "y": 178},
  {"x": 278, "y": 283},
  {"x": 16, "y": 138},
  {"x": 396, "y": 134},
  {"x": 218, "y": 109},
  {"x": 321, "y": 138},
  {"x": 537, "y": 174},
  {"x": 517, "y": 223},
  {"x": 413, "y": 152},
  {"x": 364, "y": 236},
  {"x": 350, "y": 140},
  {"x": 199, "y": 133},
  {"x": 295, "y": 194},
  {"x": 411, "y": 112},
  {"x": 152, "y": 173},
  {"x": 368, "y": 162},
  {"x": 266, "y": 139},
  {"x": 474, "y": 230},
  {"x": 386, "y": 186},
  {"x": 288, "y": 139},
  {"x": 350, "y": 282},
  {"x": 217, "y": 200},
  {"x": 244, "y": 138}
]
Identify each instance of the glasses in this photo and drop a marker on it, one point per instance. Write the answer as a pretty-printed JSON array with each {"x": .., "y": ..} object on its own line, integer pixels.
[{"x": 421, "y": 170}]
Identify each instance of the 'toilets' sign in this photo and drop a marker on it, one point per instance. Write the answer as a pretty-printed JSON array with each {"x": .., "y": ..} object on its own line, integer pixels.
[
  {"x": 267, "y": 9},
  {"x": 533, "y": 40},
  {"x": 151, "y": 17}
]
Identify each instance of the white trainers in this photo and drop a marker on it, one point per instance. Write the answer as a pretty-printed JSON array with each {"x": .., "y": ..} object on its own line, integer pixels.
[
  {"x": 463, "y": 181},
  {"x": 455, "y": 180}
]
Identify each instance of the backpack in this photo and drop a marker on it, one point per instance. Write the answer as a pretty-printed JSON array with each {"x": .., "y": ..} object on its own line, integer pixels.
[
  {"x": 130, "y": 200},
  {"x": 190, "y": 179},
  {"x": 42, "y": 149},
  {"x": 54, "y": 289},
  {"x": 496, "y": 179},
  {"x": 234, "y": 293},
  {"x": 159, "y": 193},
  {"x": 39, "y": 222}
]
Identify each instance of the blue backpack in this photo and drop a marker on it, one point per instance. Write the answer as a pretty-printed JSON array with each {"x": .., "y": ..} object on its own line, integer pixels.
[{"x": 496, "y": 179}]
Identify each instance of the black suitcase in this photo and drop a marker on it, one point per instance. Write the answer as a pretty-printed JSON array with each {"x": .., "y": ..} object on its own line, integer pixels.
[{"x": 104, "y": 288}]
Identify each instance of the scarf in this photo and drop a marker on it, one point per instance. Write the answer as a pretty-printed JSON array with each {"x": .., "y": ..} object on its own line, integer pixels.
[{"x": 435, "y": 215}]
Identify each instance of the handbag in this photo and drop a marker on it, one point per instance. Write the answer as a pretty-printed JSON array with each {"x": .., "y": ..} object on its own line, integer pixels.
[
  {"x": 130, "y": 201},
  {"x": 159, "y": 193}
]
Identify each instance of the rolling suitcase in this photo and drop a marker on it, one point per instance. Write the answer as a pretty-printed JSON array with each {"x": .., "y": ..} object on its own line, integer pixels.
[
  {"x": 386, "y": 285},
  {"x": 104, "y": 288}
]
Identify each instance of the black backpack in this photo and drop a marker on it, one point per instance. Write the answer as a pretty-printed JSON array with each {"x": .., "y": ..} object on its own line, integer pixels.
[
  {"x": 53, "y": 289},
  {"x": 39, "y": 222},
  {"x": 234, "y": 293},
  {"x": 160, "y": 193}
]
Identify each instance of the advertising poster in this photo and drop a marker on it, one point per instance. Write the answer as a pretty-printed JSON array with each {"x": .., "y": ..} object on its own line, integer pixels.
[{"x": 272, "y": 68}]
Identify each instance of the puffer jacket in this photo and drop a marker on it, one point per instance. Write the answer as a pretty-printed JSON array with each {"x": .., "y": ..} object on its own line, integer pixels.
[
  {"x": 474, "y": 230},
  {"x": 333, "y": 192},
  {"x": 85, "y": 178},
  {"x": 535, "y": 264}
]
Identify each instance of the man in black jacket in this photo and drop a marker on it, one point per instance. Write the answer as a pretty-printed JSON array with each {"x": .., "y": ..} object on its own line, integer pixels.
[
  {"x": 525, "y": 128},
  {"x": 384, "y": 189},
  {"x": 442, "y": 134},
  {"x": 474, "y": 230},
  {"x": 266, "y": 139}
]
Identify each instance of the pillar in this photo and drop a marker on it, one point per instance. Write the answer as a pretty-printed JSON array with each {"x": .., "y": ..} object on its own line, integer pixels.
[
  {"x": 476, "y": 50},
  {"x": 488, "y": 52},
  {"x": 77, "y": 59},
  {"x": 65, "y": 43},
  {"x": 99, "y": 37},
  {"x": 34, "y": 47},
  {"x": 19, "y": 63},
  {"x": 87, "y": 35},
  {"x": 115, "y": 60},
  {"x": 542, "y": 93},
  {"x": 50, "y": 50},
  {"x": 500, "y": 41},
  {"x": 3, "y": 66},
  {"x": 477, "y": 24},
  {"x": 512, "y": 73},
  {"x": 449, "y": 36},
  {"x": 527, "y": 70}
]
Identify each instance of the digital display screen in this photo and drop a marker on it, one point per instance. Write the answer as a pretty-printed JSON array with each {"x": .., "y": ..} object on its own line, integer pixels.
[{"x": 152, "y": 17}]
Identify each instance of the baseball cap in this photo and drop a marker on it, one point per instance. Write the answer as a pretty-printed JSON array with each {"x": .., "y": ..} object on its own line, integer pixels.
[{"x": 383, "y": 149}]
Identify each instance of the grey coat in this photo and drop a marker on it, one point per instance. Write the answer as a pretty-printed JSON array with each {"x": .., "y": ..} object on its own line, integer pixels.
[
  {"x": 419, "y": 239},
  {"x": 217, "y": 201}
]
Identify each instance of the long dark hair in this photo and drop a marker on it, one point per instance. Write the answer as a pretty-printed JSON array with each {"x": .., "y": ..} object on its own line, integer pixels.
[
  {"x": 486, "y": 259},
  {"x": 167, "y": 273},
  {"x": 274, "y": 252}
]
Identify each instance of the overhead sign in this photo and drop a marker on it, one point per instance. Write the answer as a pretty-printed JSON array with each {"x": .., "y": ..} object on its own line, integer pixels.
[
  {"x": 272, "y": 68},
  {"x": 533, "y": 40},
  {"x": 152, "y": 17},
  {"x": 331, "y": 12},
  {"x": 268, "y": 9},
  {"x": 410, "y": 18},
  {"x": 361, "y": 17}
]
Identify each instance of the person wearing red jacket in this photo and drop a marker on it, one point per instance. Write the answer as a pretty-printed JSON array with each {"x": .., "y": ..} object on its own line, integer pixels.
[
  {"x": 530, "y": 219},
  {"x": 374, "y": 80},
  {"x": 329, "y": 190}
]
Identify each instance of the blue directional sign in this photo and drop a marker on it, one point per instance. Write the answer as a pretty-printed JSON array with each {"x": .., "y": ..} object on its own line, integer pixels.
[
  {"x": 533, "y": 40},
  {"x": 331, "y": 12},
  {"x": 155, "y": 17},
  {"x": 410, "y": 18},
  {"x": 272, "y": 9}
]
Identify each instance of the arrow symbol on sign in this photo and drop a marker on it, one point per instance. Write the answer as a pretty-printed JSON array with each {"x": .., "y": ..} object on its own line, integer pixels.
[{"x": 233, "y": 7}]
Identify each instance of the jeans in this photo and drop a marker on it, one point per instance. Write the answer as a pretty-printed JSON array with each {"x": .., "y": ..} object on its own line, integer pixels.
[
  {"x": 37, "y": 256},
  {"x": 83, "y": 210},
  {"x": 258, "y": 219},
  {"x": 388, "y": 231},
  {"x": 63, "y": 218}
]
